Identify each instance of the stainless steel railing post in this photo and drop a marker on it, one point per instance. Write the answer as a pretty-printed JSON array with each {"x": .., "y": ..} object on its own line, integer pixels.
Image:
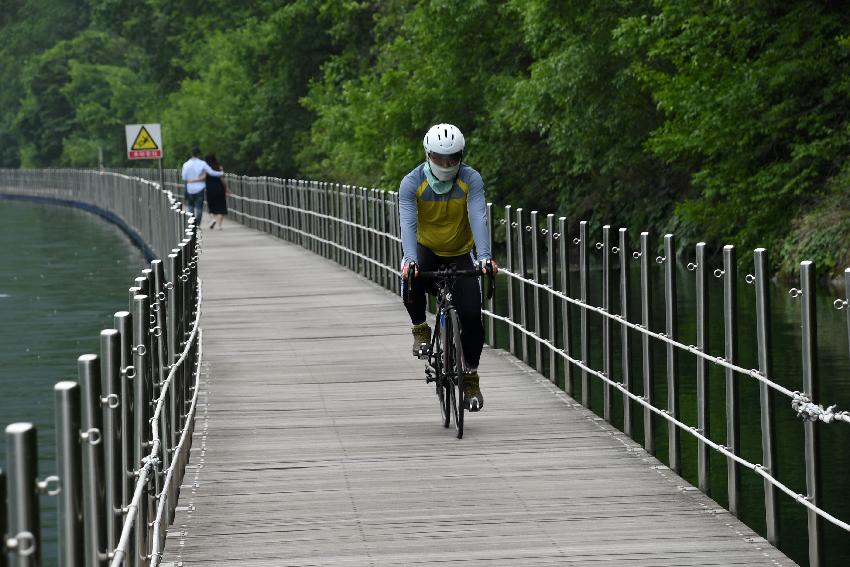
[
  {"x": 625, "y": 347},
  {"x": 847, "y": 302},
  {"x": 349, "y": 228},
  {"x": 88, "y": 366},
  {"x": 646, "y": 322},
  {"x": 69, "y": 467},
  {"x": 730, "y": 326},
  {"x": 371, "y": 224},
  {"x": 264, "y": 188},
  {"x": 24, "y": 524},
  {"x": 159, "y": 299},
  {"x": 364, "y": 234},
  {"x": 141, "y": 283},
  {"x": 607, "y": 338},
  {"x": 172, "y": 301},
  {"x": 387, "y": 279},
  {"x": 550, "y": 281},
  {"x": 671, "y": 326},
  {"x": 535, "y": 276},
  {"x": 354, "y": 211},
  {"x": 766, "y": 394},
  {"x": 180, "y": 302},
  {"x": 124, "y": 325},
  {"x": 491, "y": 305},
  {"x": 110, "y": 375},
  {"x": 329, "y": 207},
  {"x": 564, "y": 259},
  {"x": 397, "y": 252},
  {"x": 811, "y": 390},
  {"x": 341, "y": 226},
  {"x": 307, "y": 226},
  {"x": 141, "y": 397},
  {"x": 523, "y": 309},
  {"x": 183, "y": 255},
  {"x": 509, "y": 263},
  {"x": 702, "y": 377},
  {"x": 316, "y": 221},
  {"x": 583, "y": 269}
]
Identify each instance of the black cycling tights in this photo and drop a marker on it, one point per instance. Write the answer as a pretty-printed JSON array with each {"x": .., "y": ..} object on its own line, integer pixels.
[{"x": 466, "y": 297}]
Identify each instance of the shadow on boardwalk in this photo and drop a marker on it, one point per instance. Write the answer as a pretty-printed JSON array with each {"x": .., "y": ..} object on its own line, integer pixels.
[{"x": 319, "y": 443}]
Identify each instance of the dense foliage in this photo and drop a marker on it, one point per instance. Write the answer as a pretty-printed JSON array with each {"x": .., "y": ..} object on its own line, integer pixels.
[{"x": 722, "y": 121}]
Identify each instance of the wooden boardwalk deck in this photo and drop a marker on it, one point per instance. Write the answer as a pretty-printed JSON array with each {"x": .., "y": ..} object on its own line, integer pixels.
[{"x": 319, "y": 443}]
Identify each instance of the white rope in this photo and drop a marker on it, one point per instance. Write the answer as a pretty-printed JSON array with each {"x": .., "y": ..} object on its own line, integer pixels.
[
  {"x": 127, "y": 530},
  {"x": 660, "y": 336},
  {"x": 156, "y": 553},
  {"x": 152, "y": 458},
  {"x": 813, "y": 412}
]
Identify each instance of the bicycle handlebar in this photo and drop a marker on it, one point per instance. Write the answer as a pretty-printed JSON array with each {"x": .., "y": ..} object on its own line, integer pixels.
[{"x": 451, "y": 273}]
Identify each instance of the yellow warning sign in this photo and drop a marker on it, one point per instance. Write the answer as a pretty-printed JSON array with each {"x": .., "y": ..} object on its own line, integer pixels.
[{"x": 144, "y": 141}]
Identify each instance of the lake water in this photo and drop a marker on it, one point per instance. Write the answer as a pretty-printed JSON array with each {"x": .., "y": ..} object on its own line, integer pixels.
[{"x": 63, "y": 274}]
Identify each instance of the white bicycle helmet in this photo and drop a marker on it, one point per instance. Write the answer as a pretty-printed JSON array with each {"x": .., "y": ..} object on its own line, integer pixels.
[{"x": 444, "y": 139}]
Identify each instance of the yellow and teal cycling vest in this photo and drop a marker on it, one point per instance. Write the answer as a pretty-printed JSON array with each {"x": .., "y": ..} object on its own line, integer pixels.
[{"x": 450, "y": 224}]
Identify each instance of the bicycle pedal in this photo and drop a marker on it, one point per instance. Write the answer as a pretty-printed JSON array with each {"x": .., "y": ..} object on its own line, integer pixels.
[{"x": 424, "y": 352}]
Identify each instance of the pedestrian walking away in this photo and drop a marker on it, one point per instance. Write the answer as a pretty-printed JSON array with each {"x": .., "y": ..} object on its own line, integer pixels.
[
  {"x": 216, "y": 193},
  {"x": 192, "y": 173}
]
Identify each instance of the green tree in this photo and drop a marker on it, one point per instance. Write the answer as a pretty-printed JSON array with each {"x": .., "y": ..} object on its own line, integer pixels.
[
  {"x": 28, "y": 27},
  {"x": 430, "y": 62},
  {"x": 755, "y": 102},
  {"x": 576, "y": 120},
  {"x": 241, "y": 98},
  {"x": 79, "y": 93}
]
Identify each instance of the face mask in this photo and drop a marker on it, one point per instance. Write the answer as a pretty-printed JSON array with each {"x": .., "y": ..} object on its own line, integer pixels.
[
  {"x": 443, "y": 173},
  {"x": 439, "y": 187}
]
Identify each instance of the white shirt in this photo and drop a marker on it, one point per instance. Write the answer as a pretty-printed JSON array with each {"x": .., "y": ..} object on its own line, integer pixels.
[{"x": 194, "y": 168}]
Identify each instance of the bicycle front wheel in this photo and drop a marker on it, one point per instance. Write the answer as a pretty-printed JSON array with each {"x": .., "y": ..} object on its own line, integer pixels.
[
  {"x": 455, "y": 366},
  {"x": 438, "y": 363}
]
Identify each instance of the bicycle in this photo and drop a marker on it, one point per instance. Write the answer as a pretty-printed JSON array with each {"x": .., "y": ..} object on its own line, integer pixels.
[{"x": 444, "y": 355}]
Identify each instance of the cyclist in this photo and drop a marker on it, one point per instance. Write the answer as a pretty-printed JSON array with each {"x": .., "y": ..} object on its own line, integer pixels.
[{"x": 443, "y": 216}]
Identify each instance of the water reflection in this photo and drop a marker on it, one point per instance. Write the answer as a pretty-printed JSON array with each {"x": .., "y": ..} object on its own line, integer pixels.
[{"x": 64, "y": 273}]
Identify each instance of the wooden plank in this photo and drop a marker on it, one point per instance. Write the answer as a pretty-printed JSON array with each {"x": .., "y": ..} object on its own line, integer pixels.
[{"x": 318, "y": 443}]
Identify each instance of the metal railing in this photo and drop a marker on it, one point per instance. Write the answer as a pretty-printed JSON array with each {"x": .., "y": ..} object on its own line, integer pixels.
[
  {"x": 123, "y": 430},
  {"x": 358, "y": 228}
]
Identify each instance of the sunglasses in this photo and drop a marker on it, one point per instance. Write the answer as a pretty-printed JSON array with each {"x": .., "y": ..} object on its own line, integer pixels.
[{"x": 446, "y": 160}]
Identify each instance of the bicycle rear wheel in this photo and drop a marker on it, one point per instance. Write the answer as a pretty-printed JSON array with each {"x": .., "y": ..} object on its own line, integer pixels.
[{"x": 454, "y": 350}]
